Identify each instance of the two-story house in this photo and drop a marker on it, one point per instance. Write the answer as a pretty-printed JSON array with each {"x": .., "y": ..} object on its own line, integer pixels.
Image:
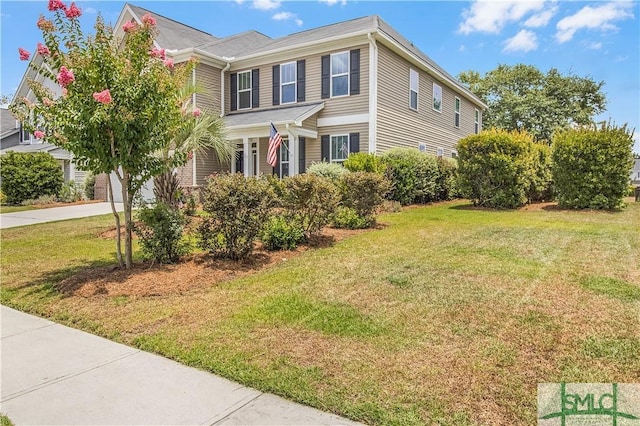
[{"x": 353, "y": 86}]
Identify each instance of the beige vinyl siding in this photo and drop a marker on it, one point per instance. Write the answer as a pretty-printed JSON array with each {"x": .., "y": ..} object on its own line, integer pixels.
[
  {"x": 207, "y": 164},
  {"x": 398, "y": 125},
  {"x": 345, "y": 105},
  {"x": 185, "y": 174},
  {"x": 208, "y": 78}
]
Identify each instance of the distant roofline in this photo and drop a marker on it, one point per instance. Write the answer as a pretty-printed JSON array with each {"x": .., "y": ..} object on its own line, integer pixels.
[{"x": 171, "y": 19}]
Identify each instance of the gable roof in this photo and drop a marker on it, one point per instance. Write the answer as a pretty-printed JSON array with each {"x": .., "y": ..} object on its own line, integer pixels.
[
  {"x": 173, "y": 34},
  {"x": 7, "y": 123},
  {"x": 236, "y": 45}
]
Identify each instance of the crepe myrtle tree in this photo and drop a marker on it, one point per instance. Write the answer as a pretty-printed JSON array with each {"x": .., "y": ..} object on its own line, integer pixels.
[{"x": 120, "y": 104}]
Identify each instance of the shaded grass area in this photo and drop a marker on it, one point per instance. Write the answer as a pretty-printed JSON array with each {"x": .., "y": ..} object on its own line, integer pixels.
[
  {"x": 448, "y": 314},
  {"x": 14, "y": 209}
]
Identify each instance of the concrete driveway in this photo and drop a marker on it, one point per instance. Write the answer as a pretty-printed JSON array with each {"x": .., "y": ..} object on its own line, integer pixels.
[{"x": 31, "y": 217}]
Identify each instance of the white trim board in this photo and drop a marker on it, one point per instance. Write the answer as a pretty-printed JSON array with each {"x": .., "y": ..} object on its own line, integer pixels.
[{"x": 343, "y": 120}]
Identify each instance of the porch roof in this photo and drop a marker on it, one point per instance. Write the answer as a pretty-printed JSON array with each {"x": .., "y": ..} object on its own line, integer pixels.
[
  {"x": 57, "y": 152},
  {"x": 278, "y": 116}
]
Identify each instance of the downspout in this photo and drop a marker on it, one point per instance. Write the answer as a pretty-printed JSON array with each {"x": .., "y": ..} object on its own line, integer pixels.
[
  {"x": 225, "y": 69},
  {"x": 373, "y": 93}
]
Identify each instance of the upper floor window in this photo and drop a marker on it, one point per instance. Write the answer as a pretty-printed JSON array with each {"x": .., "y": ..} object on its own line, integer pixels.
[
  {"x": 437, "y": 98},
  {"x": 244, "y": 90},
  {"x": 413, "y": 89},
  {"x": 456, "y": 116},
  {"x": 476, "y": 122},
  {"x": 340, "y": 74},
  {"x": 288, "y": 82}
]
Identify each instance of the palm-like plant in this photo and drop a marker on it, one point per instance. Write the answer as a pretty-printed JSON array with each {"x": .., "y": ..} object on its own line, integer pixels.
[{"x": 201, "y": 133}]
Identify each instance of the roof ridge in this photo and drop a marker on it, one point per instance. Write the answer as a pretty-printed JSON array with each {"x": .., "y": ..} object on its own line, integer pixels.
[
  {"x": 171, "y": 19},
  {"x": 373, "y": 17}
]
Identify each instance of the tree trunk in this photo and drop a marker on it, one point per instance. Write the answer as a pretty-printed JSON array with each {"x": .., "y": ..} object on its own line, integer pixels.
[
  {"x": 165, "y": 188},
  {"x": 128, "y": 223},
  {"x": 117, "y": 217}
]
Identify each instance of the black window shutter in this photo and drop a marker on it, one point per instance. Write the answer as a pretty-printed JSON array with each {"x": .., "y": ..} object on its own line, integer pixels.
[
  {"x": 234, "y": 91},
  {"x": 325, "y": 154},
  {"x": 301, "y": 154},
  {"x": 276, "y": 85},
  {"x": 354, "y": 74},
  {"x": 354, "y": 142},
  {"x": 276, "y": 169},
  {"x": 300, "y": 82},
  {"x": 326, "y": 76},
  {"x": 255, "y": 88}
]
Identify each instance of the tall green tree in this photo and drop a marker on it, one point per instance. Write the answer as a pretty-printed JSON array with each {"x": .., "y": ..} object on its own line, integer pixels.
[
  {"x": 521, "y": 97},
  {"x": 120, "y": 102}
]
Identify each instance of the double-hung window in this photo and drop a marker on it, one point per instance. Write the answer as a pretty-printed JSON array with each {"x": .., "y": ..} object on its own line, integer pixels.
[
  {"x": 244, "y": 90},
  {"x": 456, "y": 116},
  {"x": 413, "y": 89},
  {"x": 288, "y": 83},
  {"x": 339, "y": 148},
  {"x": 340, "y": 74},
  {"x": 476, "y": 122},
  {"x": 437, "y": 98}
]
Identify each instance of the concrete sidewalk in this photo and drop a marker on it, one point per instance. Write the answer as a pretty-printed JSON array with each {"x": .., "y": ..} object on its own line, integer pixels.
[
  {"x": 54, "y": 375},
  {"x": 30, "y": 217}
]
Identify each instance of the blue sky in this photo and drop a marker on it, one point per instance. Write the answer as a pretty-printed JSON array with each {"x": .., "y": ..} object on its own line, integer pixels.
[{"x": 596, "y": 39}]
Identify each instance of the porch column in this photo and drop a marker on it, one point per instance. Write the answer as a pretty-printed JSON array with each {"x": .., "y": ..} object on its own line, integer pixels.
[
  {"x": 294, "y": 152},
  {"x": 246, "y": 156}
]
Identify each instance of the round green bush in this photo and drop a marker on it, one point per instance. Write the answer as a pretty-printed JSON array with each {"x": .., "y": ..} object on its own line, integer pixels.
[
  {"x": 281, "y": 234},
  {"x": 591, "y": 166},
  {"x": 364, "y": 162},
  {"x": 413, "y": 175},
  {"x": 348, "y": 218},
  {"x": 331, "y": 171},
  {"x": 27, "y": 176}
]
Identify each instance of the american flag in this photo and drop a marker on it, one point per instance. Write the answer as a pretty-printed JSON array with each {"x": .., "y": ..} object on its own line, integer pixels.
[{"x": 274, "y": 143}]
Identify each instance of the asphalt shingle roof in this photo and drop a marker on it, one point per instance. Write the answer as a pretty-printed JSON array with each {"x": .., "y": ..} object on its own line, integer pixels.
[
  {"x": 7, "y": 123},
  {"x": 273, "y": 115}
]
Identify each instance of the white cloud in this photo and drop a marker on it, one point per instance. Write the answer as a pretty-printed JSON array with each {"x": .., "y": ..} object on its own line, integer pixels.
[
  {"x": 490, "y": 16},
  {"x": 286, "y": 16},
  {"x": 266, "y": 4},
  {"x": 541, "y": 19},
  {"x": 239, "y": 1},
  {"x": 524, "y": 41},
  {"x": 332, "y": 2},
  {"x": 593, "y": 18},
  {"x": 90, "y": 10},
  {"x": 462, "y": 48},
  {"x": 594, "y": 45},
  {"x": 621, "y": 58}
]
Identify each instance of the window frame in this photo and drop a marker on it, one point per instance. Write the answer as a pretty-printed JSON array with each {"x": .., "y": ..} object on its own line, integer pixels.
[
  {"x": 294, "y": 82},
  {"x": 476, "y": 121},
  {"x": 245, "y": 90},
  {"x": 343, "y": 74},
  {"x": 457, "y": 106},
  {"x": 413, "y": 72},
  {"x": 331, "y": 157},
  {"x": 284, "y": 144},
  {"x": 437, "y": 99}
]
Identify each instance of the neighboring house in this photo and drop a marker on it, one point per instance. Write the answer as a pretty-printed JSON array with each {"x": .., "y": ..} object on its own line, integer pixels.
[
  {"x": 634, "y": 176},
  {"x": 354, "y": 86}
]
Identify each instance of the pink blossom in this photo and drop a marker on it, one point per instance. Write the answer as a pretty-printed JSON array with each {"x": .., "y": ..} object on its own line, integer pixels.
[
  {"x": 65, "y": 77},
  {"x": 45, "y": 24},
  {"x": 65, "y": 92},
  {"x": 168, "y": 63},
  {"x": 24, "y": 55},
  {"x": 128, "y": 26},
  {"x": 47, "y": 102},
  {"x": 72, "y": 11},
  {"x": 43, "y": 50},
  {"x": 196, "y": 112},
  {"x": 38, "y": 134},
  {"x": 55, "y": 5},
  {"x": 158, "y": 53},
  {"x": 103, "y": 97},
  {"x": 190, "y": 155},
  {"x": 148, "y": 19}
]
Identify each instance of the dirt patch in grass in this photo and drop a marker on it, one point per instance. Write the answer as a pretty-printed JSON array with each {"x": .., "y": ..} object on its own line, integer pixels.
[{"x": 195, "y": 272}]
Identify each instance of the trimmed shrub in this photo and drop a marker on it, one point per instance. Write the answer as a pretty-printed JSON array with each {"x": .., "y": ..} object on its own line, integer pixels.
[
  {"x": 447, "y": 179},
  {"x": 363, "y": 162},
  {"x": 89, "y": 184},
  {"x": 3, "y": 198},
  {"x": 364, "y": 192},
  {"x": 238, "y": 208},
  {"x": 43, "y": 199},
  {"x": 331, "y": 171},
  {"x": 541, "y": 188},
  {"x": 27, "y": 176},
  {"x": 348, "y": 218},
  {"x": 591, "y": 166},
  {"x": 70, "y": 192},
  {"x": 413, "y": 175},
  {"x": 160, "y": 230},
  {"x": 281, "y": 234},
  {"x": 310, "y": 201},
  {"x": 495, "y": 168}
]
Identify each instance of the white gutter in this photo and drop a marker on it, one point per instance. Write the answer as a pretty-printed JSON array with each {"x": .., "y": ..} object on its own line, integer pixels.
[
  {"x": 373, "y": 93},
  {"x": 222, "y": 71}
]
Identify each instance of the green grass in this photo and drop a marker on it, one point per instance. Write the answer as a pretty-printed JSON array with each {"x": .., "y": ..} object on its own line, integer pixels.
[
  {"x": 445, "y": 315},
  {"x": 14, "y": 209}
]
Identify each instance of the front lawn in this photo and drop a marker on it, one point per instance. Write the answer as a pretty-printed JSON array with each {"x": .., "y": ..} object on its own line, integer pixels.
[{"x": 446, "y": 314}]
